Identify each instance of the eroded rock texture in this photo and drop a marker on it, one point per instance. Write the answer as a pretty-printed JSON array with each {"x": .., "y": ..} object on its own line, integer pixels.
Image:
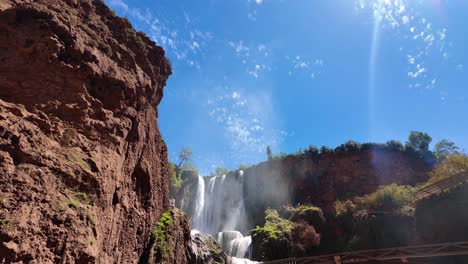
[{"x": 82, "y": 164}]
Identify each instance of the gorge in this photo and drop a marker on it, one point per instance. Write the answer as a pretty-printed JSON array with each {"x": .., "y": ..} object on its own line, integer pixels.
[
  {"x": 229, "y": 206},
  {"x": 85, "y": 175}
]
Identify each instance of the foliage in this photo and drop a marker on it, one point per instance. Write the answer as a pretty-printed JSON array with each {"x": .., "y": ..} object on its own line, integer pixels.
[
  {"x": 444, "y": 148},
  {"x": 308, "y": 213},
  {"x": 174, "y": 179},
  {"x": 391, "y": 198},
  {"x": 160, "y": 232},
  {"x": 312, "y": 152},
  {"x": 244, "y": 167},
  {"x": 418, "y": 141},
  {"x": 188, "y": 166},
  {"x": 395, "y": 199},
  {"x": 275, "y": 227},
  {"x": 349, "y": 146},
  {"x": 6, "y": 224},
  {"x": 81, "y": 198},
  {"x": 395, "y": 145},
  {"x": 185, "y": 155},
  {"x": 450, "y": 166},
  {"x": 343, "y": 208},
  {"x": 269, "y": 153},
  {"x": 325, "y": 149}
]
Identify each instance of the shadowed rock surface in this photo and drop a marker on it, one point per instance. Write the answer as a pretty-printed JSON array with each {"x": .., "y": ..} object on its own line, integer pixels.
[
  {"x": 83, "y": 167},
  {"x": 206, "y": 250}
]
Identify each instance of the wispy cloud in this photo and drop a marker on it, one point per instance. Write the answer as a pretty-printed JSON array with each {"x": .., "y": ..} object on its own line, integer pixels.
[
  {"x": 182, "y": 43},
  {"x": 421, "y": 41},
  {"x": 119, "y": 4},
  {"x": 301, "y": 65},
  {"x": 248, "y": 123},
  {"x": 255, "y": 57}
]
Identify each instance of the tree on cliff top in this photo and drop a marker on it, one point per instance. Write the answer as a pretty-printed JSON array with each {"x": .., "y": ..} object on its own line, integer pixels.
[
  {"x": 418, "y": 141},
  {"x": 450, "y": 166},
  {"x": 444, "y": 148},
  {"x": 269, "y": 153},
  {"x": 185, "y": 155}
]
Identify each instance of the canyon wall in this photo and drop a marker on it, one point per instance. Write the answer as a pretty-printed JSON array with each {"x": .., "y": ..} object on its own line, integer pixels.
[
  {"x": 83, "y": 167},
  {"x": 242, "y": 198},
  {"x": 322, "y": 179}
]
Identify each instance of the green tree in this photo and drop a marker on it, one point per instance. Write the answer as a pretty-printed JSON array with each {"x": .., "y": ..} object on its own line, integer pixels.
[
  {"x": 450, "y": 166},
  {"x": 419, "y": 142},
  {"x": 444, "y": 148},
  {"x": 269, "y": 154},
  {"x": 185, "y": 155},
  {"x": 395, "y": 145}
]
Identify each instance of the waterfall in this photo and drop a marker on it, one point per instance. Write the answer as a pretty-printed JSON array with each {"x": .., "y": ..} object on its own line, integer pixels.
[
  {"x": 241, "y": 247},
  {"x": 219, "y": 209},
  {"x": 235, "y": 244},
  {"x": 198, "y": 218},
  {"x": 219, "y": 206}
]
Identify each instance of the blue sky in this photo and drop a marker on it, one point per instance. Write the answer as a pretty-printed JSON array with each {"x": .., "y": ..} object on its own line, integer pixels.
[{"x": 291, "y": 73}]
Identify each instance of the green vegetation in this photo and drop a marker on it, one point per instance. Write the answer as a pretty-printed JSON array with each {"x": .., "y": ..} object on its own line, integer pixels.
[
  {"x": 444, "y": 148},
  {"x": 77, "y": 158},
  {"x": 174, "y": 179},
  {"x": 395, "y": 145},
  {"x": 185, "y": 155},
  {"x": 450, "y": 166},
  {"x": 213, "y": 247},
  {"x": 395, "y": 199},
  {"x": 74, "y": 204},
  {"x": 417, "y": 145},
  {"x": 81, "y": 198},
  {"x": 160, "y": 235},
  {"x": 269, "y": 153},
  {"x": 275, "y": 227},
  {"x": 244, "y": 167},
  {"x": 6, "y": 224},
  {"x": 325, "y": 150},
  {"x": 418, "y": 141}
]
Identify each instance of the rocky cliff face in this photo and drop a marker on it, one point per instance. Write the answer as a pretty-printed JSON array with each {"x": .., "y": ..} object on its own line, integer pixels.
[
  {"x": 325, "y": 178},
  {"x": 83, "y": 167}
]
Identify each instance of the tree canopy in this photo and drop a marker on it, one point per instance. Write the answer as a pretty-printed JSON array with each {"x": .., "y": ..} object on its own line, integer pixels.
[
  {"x": 444, "y": 148},
  {"x": 418, "y": 141}
]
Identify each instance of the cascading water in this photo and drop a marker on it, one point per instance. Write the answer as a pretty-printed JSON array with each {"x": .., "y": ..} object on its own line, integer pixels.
[
  {"x": 219, "y": 209},
  {"x": 198, "y": 218}
]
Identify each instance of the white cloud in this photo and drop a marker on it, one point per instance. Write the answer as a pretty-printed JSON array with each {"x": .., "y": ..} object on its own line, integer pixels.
[
  {"x": 419, "y": 71},
  {"x": 421, "y": 40},
  {"x": 405, "y": 19},
  {"x": 119, "y": 4},
  {"x": 240, "y": 48},
  {"x": 182, "y": 44},
  {"x": 248, "y": 122},
  {"x": 300, "y": 64}
]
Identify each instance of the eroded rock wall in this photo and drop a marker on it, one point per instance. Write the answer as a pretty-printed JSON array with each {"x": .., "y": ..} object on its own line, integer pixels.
[
  {"x": 83, "y": 167},
  {"x": 323, "y": 179}
]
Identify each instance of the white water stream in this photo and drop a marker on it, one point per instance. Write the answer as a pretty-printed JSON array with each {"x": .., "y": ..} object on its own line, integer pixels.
[{"x": 219, "y": 210}]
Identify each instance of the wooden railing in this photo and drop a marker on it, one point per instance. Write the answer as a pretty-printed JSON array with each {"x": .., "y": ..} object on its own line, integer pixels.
[
  {"x": 400, "y": 254},
  {"x": 441, "y": 185}
]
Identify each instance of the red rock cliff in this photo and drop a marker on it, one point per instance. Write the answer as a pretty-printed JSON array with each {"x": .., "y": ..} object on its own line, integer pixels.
[{"x": 82, "y": 164}]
